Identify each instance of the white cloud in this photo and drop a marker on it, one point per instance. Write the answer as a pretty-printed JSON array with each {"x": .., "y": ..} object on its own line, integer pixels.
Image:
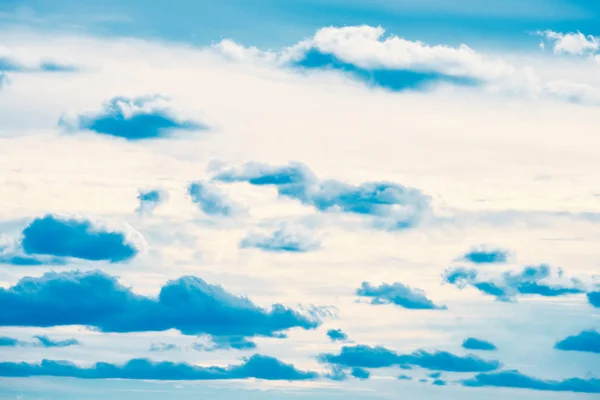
[{"x": 571, "y": 43}]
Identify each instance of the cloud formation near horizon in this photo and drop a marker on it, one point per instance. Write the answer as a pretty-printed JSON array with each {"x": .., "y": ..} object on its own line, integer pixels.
[{"x": 98, "y": 300}]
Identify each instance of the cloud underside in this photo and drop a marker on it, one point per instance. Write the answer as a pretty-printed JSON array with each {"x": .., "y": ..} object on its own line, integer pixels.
[
  {"x": 379, "y": 357},
  {"x": 394, "y": 206},
  {"x": 257, "y": 366},
  {"x": 98, "y": 300},
  {"x": 586, "y": 341},
  {"x": 52, "y": 240}
]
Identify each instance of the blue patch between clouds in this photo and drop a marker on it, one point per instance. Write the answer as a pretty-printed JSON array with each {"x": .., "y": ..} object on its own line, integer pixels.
[
  {"x": 392, "y": 79},
  {"x": 45, "y": 341},
  {"x": 133, "y": 119},
  {"x": 486, "y": 256},
  {"x": 150, "y": 199},
  {"x": 397, "y": 206},
  {"x": 398, "y": 294},
  {"x": 64, "y": 237},
  {"x": 515, "y": 379},
  {"x": 284, "y": 239},
  {"x": 594, "y": 299},
  {"x": 211, "y": 199},
  {"x": 587, "y": 341},
  {"x": 257, "y": 366},
  {"x": 98, "y": 300},
  {"x": 336, "y": 335},
  {"x": 478, "y": 344},
  {"x": 360, "y": 373},
  {"x": 379, "y": 357}
]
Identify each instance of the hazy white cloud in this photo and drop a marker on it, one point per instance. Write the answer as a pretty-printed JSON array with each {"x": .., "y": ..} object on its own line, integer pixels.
[{"x": 571, "y": 42}]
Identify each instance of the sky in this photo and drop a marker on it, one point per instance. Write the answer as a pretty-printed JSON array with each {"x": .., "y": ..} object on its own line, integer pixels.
[{"x": 299, "y": 200}]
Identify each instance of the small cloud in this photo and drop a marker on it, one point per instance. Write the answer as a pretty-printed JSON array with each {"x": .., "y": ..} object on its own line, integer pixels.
[
  {"x": 225, "y": 343},
  {"x": 394, "y": 206},
  {"x": 337, "y": 335},
  {"x": 150, "y": 199},
  {"x": 586, "y": 341},
  {"x": 398, "y": 294},
  {"x": 360, "y": 373},
  {"x": 361, "y": 356},
  {"x": 212, "y": 200},
  {"x": 515, "y": 379},
  {"x": 53, "y": 239},
  {"x": 478, "y": 344},
  {"x": 541, "y": 280},
  {"x": 575, "y": 43},
  {"x": 405, "y": 378},
  {"x": 485, "y": 255},
  {"x": 257, "y": 366},
  {"x": 438, "y": 382},
  {"x": 434, "y": 375},
  {"x": 96, "y": 299},
  {"x": 285, "y": 239},
  {"x": 146, "y": 117},
  {"x": 45, "y": 341}
]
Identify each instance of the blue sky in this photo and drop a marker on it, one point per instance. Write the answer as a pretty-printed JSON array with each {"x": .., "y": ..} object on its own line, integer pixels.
[{"x": 299, "y": 200}]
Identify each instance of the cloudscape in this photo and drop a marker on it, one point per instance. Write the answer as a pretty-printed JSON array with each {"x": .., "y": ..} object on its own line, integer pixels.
[{"x": 277, "y": 200}]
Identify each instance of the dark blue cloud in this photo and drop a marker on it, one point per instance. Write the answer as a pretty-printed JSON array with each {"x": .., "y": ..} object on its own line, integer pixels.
[
  {"x": 396, "y": 206},
  {"x": 398, "y": 294},
  {"x": 588, "y": 341},
  {"x": 594, "y": 299},
  {"x": 478, "y": 344},
  {"x": 361, "y": 356},
  {"x": 65, "y": 237},
  {"x": 226, "y": 343},
  {"x": 144, "y": 117},
  {"x": 336, "y": 334},
  {"x": 388, "y": 78},
  {"x": 284, "y": 239},
  {"x": 98, "y": 300},
  {"x": 438, "y": 382},
  {"x": 211, "y": 199},
  {"x": 45, "y": 341},
  {"x": 434, "y": 375},
  {"x": 160, "y": 346},
  {"x": 515, "y": 379},
  {"x": 483, "y": 255},
  {"x": 150, "y": 199},
  {"x": 541, "y": 280},
  {"x": 360, "y": 373},
  {"x": 257, "y": 366}
]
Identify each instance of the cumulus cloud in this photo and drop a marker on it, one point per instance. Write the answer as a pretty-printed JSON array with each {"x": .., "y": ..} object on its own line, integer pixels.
[
  {"x": 150, "y": 199},
  {"x": 586, "y": 341},
  {"x": 336, "y": 335},
  {"x": 486, "y": 255},
  {"x": 286, "y": 238},
  {"x": 478, "y": 344},
  {"x": 212, "y": 200},
  {"x": 144, "y": 117},
  {"x": 571, "y": 42},
  {"x": 394, "y": 205},
  {"x": 98, "y": 300},
  {"x": 398, "y": 294},
  {"x": 361, "y": 356},
  {"x": 515, "y": 379},
  {"x": 52, "y": 239},
  {"x": 541, "y": 280},
  {"x": 257, "y": 366}
]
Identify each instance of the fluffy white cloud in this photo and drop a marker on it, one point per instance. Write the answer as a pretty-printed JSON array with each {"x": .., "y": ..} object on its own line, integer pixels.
[{"x": 571, "y": 42}]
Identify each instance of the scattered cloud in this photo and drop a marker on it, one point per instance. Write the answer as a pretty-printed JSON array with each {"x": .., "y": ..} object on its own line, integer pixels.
[
  {"x": 515, "y": 379},
  {"x": 145, "y": 117},
  {"x": 360, "y": 373},
  {"x": 337, "y": 335},
  {"x": 478, "y": 344},
  {"x": 52, "y": 239},
  {"x": 541, "y": 280},
  {"x": 395, "y": 206},
  {"x": 361, "y": 356},
  {"x": 587, "y": 341},
  {"x": 486, "y": 255},
  {"x": 257, "y": 366},
  {"x": 212, "y": 200},
  {"x": 286, "y": 238},
  {"x": 150, "y": 199},
  {"x": 398, "y": 294},
  {"x": 98, "y": 300},
  {"x": 571, "y": 42}
]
